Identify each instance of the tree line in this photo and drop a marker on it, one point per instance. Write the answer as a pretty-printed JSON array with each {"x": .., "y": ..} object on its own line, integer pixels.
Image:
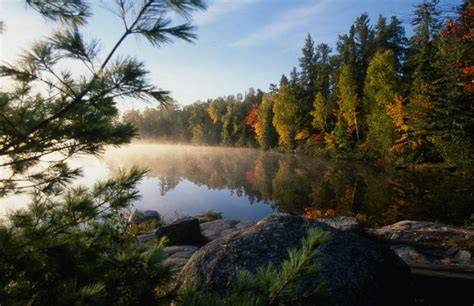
[{"x": 378, "y": 95}]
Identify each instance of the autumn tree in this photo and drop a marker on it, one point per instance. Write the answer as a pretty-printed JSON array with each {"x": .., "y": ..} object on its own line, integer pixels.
[
  {"x": 286, "y": 116},
  {"x": 347, "y": 111},
  {"x": 381, "y": 85},
  {"x": 320, "y": 113}
]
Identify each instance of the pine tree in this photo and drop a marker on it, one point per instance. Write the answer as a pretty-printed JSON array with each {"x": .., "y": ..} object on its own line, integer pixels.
[
  {"x": 453, "y": 94},
  {"x": 77, "y": 112},
  {"x": 422, "y": 55},
  {"x": 308, "y": 62},
  {"x": 323, "y": 77},
  {"x": 391, "y": 37},
  {"x": 364, "y": 43},
  {"x": 74, "y": 245},
  {"x": 284, "y": 80}
]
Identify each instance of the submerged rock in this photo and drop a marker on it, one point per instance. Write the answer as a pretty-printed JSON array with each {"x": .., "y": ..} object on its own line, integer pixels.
[
  {"x": 145, "y": 216},
  {"x": 357, "y": 270},
  {"x": 184, "y": 231}
]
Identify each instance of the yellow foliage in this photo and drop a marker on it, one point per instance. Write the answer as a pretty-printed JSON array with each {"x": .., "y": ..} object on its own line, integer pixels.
[
  {"x": 397, "y": 111},
  {"x": 302, "y": 135}
]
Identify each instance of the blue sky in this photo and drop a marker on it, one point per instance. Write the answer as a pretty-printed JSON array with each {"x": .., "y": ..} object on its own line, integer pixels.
[{"x": 242, "y": 43}]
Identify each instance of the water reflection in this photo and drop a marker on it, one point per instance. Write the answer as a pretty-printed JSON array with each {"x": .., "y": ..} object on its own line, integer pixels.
[{"x": 249, "y": 184}]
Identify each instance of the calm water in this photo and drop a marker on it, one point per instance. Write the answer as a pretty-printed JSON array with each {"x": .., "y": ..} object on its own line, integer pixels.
[{"x": 249, "y": 184}]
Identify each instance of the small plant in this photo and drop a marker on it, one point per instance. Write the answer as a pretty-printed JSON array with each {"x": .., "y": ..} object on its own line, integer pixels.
[
  {"x": 299, "y": 279},
  {"x": 209, "y": 215}
]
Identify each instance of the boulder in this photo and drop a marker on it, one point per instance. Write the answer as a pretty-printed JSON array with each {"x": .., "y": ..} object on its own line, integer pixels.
[
  {"x": 343, "y": 223},
  {"x": 357, "y": 270},
  {"x": 428, "y": 234},
  {"x": 215, "y": 229},
  {"x": 142, "y": 238},
  {"x": 178, "y": 256},
  {"x": 418, "y": 242},
  {"x": 145, "y": 216},
  {"x": 184, "y": 231}
]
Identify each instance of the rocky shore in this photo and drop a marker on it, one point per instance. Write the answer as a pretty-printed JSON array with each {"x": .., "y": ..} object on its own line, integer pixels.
[{"x": 362, "y": 266}]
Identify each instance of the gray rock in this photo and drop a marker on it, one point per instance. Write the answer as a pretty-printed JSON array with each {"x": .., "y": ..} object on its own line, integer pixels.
[
  {"x": 463, "y": 257},
  {"x": 184, "y": 231},
  {"x": 215, "y": 229},
  {"x": 429, "y": 242},
  {"x": 147, "y": 237},
  {"x": 343, "y": 223},
  {"x": 145, "y": 216},
  {"x": 409, "y": 254},
  {"x": 357, "y": 270},
  {"x": 427, "y": 234},
  {"x": 178, "y": 256}
]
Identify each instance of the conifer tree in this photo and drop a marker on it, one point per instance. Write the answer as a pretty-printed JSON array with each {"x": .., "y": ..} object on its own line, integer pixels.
[
  {"x": 323, "y": 69},
  {"x": 48, "y": 109},
  {"x": 308, "y": 63},
  {"x": 364, "y": 43},
  {"x": 269, "y": 137},
  {"x": 452, "y": 110},
  {"x": 74, "y": 245},
  {"x": 421, "y": 58}
]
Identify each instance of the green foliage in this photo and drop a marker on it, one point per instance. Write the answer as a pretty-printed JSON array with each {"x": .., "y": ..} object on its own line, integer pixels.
[
  {"x": 269, "y": 136},
  {"x": 320, "y": 113},
  {"x": 381, "y": 86},
  {"x": 73, "y": 245},
  {"x": 380, "y": 96},
  {"x": 47, "y": 111},
  {"x": 210, "y": 215},
  {"x": 347, "y": 112},
  {"x": 80, "y": 249},
  {"x": 298, "y": 280}
]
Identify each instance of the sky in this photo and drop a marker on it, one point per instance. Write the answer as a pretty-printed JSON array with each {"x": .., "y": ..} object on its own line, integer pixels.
[{"x": 241, "y": 44}]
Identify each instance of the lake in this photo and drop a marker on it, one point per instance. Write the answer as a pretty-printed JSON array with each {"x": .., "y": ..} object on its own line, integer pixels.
[{"x": 249, "y": 184}]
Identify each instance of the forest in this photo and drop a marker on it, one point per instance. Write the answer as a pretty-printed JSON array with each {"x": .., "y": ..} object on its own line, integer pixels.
[{"x": 380, "y": 95}]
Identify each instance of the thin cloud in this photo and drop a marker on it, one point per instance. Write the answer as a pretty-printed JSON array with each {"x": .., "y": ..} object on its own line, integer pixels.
[
  {"x": 220, "y": 8},
  {"x": 283, "y": 24}
]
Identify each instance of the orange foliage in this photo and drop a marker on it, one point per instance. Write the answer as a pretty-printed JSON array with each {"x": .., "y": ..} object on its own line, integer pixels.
[
  {"x": 311, "y": 214},
  {"x": 255, "y": 122},
  {"x": 251, "y": 178},
  {"x": 464, "y": 30},
  {"x": 252, "y": 117}
]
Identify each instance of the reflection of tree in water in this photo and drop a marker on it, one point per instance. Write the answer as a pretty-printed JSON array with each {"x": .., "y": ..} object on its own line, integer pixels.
[
  {"x": 293, "y": 182},
  {"x": 167, "y": 183}
]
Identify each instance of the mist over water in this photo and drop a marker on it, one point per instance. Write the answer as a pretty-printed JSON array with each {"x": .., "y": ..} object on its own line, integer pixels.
[{"x": 248, "y": 184}]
